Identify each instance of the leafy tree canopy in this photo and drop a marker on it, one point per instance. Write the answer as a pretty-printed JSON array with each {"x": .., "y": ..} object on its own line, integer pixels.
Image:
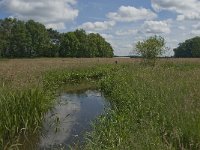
[
  {"x": 151, "y": 48},
  {"x": 189, "y": 48},
  {"x": 32, "y": 39}
]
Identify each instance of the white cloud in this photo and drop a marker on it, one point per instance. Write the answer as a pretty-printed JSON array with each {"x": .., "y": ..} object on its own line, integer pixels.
[
  {"x": 195, "y": 32},
  {"x": 131, "y": 14},
  {"x": 97, "y": 26},
  {"x": 107, "y": 36},
  {"x": 56, "y": 26},
  {"x": 196, "y": 26},
  {"x": 52, "y": 13},
  {"x": 186, "y": 9},
  {"x": 126, "y": 32},
  {"x": 156, "y": 27},
  {"x": 181, "y": 27}
]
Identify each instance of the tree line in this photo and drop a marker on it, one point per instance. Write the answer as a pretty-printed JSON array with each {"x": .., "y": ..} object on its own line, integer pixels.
[
  {"x": 31, "y": 39},
  {"x": 190, "y": 48}
]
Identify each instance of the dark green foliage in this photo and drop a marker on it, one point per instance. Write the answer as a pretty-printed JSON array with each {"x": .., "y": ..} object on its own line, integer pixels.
[
  {"x": 6, "y": 26},
  {"x": 40, "y": 38},
  {"x": 189, "y": 48},
  {"x": 32, "y": 39},
  {"x": 104, "y": 49},
  {"x": 80, "y": 44},
  {"x": 21, "y": 44},
  {"x": 55, "y": 39},
  {"x": 82, "y": 38},
  {"x": 69, "y": 45}
]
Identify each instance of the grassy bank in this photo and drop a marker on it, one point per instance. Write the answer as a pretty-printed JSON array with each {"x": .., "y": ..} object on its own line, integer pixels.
[
  {"x": 22, "y": 110},
  {"x": 152, "y": 108}
]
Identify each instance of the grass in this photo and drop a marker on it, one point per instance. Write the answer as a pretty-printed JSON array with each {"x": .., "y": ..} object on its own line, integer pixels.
[
  {"x": 21, "y": 73},
  {"x": 22, "y": 110},
  {"x": 151, "y": 108}
]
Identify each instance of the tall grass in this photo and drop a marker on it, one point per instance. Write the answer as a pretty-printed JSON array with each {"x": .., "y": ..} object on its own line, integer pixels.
[
  {"x": 22, "y": 111},
  {"x": 152, "y": 108}
]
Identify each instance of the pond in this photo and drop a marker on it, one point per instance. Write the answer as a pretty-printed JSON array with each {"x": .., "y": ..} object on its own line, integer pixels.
[{"x": 71, "y": 118}]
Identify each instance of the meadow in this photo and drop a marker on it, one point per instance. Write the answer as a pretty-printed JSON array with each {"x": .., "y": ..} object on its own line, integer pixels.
[{"x": 151, "y": 107}]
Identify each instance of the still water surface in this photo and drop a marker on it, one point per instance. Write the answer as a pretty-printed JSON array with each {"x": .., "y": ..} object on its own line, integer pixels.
[{"x": 67, "y": 123}]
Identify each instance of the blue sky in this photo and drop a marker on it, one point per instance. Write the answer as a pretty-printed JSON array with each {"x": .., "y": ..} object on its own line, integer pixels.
[{"x": 120, "y": 22}]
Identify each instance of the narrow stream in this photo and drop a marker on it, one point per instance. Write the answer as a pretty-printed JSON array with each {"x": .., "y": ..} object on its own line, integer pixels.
[{"x": 71, "y": 118}]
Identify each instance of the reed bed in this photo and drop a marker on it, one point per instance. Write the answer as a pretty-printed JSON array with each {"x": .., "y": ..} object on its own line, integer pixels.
[{"x": 151, "y": 107}]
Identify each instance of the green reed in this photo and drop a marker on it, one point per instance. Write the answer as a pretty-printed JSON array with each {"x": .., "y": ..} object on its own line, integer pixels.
[
  {"x": 22, "y": 111},
  {"x": 151, "y": 108}
]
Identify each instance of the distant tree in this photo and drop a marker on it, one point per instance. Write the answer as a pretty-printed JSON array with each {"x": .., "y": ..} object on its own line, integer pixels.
[
  {"x": 32, "y": 39},
  {"x": 98, "y": 46},
  {"x": 6, "y": 26},
  {"x": 54, "y": 35},
  {"x": 189, "y": 48},
  {"x": 55, "y": 39},
  {"x": 40, "y": 38},
  {"x": 82, "y": 38},
  {"x": 92, "y": 45},
  {"x": 69, "y": 46},
  {"x": 80, "y": 44},
  {"x": 151, "y": 48},
  {"x": 20, "y": 45}
]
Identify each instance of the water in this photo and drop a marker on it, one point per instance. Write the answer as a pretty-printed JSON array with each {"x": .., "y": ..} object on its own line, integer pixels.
[{"x": 71, "y": 118}]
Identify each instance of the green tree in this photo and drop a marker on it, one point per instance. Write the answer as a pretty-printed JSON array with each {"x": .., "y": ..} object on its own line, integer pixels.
[
  {"x": 55, "y": 38},
  {"x": 69, "y": 46},
  {"x": 6, "y": 26},
  {"x": 83, "y": 46},
  {"x": 20, "y": 45},
  {"x": 92, "y": 50},
  {"x": 32, "y": 39},
  {"x": 40, "y": 38},
  {"x": 189, "y": 48},
  {"x": 98, "y": 46},
  {"x": 104, "y": 48},
  {"x": 151, "y": 48},
  {"x": 92, "y": 45}
]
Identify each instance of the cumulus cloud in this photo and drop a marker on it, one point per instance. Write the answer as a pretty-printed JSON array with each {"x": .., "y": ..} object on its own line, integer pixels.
[
  {"x": 126, "y": 32},
  {"x": 196, "y": 26},
  {"x": 56, "y": 26},
  {"x": 186, "y": 9},
  {"x": 131, "y": 14},
  {"x": 108, "y": 37},
  {"x": 52, "y": 13},
  {"x": 156, "y": 27},
  {"x": 195, "y": 32},
  {"x": 181, "y": 27},
  {"x": 97, "y": 26}
]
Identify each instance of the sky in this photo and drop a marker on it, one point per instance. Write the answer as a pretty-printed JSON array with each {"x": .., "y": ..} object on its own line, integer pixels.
[{"x": 121, "y": 22}]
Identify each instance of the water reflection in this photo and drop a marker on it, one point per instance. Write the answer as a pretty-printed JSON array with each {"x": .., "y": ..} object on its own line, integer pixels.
[{"x": 66, "y": 124}]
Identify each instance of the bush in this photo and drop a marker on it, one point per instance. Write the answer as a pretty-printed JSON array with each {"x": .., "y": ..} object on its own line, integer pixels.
[{"x": 151, "y": 48}]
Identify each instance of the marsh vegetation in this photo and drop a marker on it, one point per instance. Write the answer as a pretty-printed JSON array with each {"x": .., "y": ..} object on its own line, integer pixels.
[{"x": 151, "y": 107}]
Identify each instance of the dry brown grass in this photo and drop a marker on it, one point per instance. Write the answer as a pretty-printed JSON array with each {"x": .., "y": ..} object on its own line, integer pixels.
[{"x": 25, "y": 72}]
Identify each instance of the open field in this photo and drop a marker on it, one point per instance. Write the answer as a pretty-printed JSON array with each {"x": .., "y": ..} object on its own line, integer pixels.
[
  {"x": 160, "y": 103},
  {"x": 23, "y": 72}
]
